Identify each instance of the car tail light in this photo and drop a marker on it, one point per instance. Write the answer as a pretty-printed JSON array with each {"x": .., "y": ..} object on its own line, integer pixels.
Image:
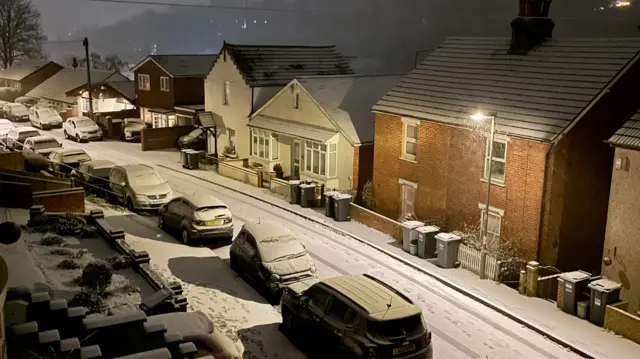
[{"x": 427, "y": 337}]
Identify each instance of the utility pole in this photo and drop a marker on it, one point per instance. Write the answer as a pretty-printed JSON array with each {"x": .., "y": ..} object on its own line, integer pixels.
[{"x": 85, "y": 43}]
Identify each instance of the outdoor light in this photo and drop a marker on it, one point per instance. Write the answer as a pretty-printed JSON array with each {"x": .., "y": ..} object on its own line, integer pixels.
[{"x": 479, "y": 117}]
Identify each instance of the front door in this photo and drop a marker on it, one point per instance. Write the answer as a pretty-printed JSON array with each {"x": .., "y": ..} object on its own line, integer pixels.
[
  {"x": 297, "y": 152},
  {"x": 408, "y": 200}
]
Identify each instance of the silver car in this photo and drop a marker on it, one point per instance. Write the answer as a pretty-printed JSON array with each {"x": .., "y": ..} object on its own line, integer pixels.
[
  {"x": 139, "y": 187},
  {"x": 197, "y": 218}
]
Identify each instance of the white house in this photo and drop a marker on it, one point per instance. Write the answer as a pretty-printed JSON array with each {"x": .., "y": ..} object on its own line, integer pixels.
[
  {"x": 244, "y": 77},
  {"x": 320, "y": 128}
]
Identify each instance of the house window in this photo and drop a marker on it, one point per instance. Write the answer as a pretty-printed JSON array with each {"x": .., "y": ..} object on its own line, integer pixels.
[
  {"x": 409, "y": 139},
  {"x": 495, "y": 221},
  {"x": 321, "y": 159},
  {"x": 144, "y": 82},
  {"x": 227, "y": 92},
  {"x": 497, "y": 165},
  {"x": 408, "y": 197},
  {"x": 164, "y": 83},
  {"x": 265, "y": 145},
  {"x": 296, "y": 100},
  {"x": 232, "y": 138}
]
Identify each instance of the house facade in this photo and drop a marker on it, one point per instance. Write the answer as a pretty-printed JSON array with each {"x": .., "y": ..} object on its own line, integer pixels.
[
  {"x": 320, "y": 129},
  {"x": 110, "y": 98},
  {"x": 28, "y": 74},
  {"x": 166, "y": 84},
  {"x": 550, "y": 167},
  {"x": 621, "y": 247},
  {"x": 245, "y": 77}
]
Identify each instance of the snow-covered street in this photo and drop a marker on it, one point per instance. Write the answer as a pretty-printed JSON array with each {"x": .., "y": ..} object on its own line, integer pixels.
[{"x": 462, "y": 328}]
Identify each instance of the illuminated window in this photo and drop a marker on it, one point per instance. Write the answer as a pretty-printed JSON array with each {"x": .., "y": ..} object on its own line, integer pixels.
[
  {"x": 498, "y": 162},
  {"x": 164, "y": 83},
  {"x": 144, "y": 83}
]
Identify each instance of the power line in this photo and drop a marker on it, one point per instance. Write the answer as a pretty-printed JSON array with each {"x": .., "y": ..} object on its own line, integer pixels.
[{"x": 221, "y": 7}]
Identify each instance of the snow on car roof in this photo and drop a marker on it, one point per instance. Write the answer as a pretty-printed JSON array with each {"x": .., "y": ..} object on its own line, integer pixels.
[
  {"x": 5, "y": 121},
  {"x": 266, "y": 229},
  {"x": 138, "y": 169},
  {"x": 204, "y": 200},
  {"x": 26, "y": 129},
  {"x": 71, "y": 151},
  {"x": 42, "y": 138},
  {"x": 96, "y": 164}
]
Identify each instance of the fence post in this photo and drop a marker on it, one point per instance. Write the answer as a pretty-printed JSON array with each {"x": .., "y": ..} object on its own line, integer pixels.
[
  {"x": 522, "y": 287},
  {"x": 532, "y": 278}
]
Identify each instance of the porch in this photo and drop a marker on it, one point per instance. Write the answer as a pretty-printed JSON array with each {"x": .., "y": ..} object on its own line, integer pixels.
[
  {"x": 185, "y": 115},
  {"x": 109, "y": 98}
]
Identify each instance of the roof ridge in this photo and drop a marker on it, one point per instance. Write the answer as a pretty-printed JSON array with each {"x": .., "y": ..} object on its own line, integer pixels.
[
  {"x": 354, "y": 75},
  {"x": 287, "y": 46}
]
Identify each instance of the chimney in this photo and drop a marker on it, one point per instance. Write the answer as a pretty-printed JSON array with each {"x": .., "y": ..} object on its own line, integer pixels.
[{"x": 531, "y": 26}]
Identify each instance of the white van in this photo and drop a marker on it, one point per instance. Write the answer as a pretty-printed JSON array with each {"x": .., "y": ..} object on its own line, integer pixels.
[{"x": 44, "y": 118}]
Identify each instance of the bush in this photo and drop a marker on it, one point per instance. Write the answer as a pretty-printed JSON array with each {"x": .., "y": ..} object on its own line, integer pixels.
[
  {"x": 74, "y": 225},
  {"x": 90, "y": 299},
  {"x": 68, "y": 264},
  {"x": 62, "y": 252},
  {"x": 119, "y": 261},
  {"x": 97, "y": 275},
  {"x": 80, "y": 254},
  {"x": 368, "y": 200},
  {"x": 51, "y": 240},
  {"x": 10, "y": 94}
]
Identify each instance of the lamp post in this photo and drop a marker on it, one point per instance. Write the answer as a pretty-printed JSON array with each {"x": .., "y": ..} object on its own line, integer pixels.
[{"x": 485, "y": 225}]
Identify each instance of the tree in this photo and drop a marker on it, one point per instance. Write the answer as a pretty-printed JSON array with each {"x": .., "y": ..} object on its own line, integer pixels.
[
  {"x": 21, "y": 35},
  {"x": 110, "y": 62}
]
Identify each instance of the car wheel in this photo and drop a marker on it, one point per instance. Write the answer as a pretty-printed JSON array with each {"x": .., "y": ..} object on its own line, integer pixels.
[
  {"x": 288, "y": 325},
  {"x": 161, "y": 224},
  {"x": 77, "y": 138},
  {"x": 130, "y": 205},
  {"x": 184, "y": 236}
]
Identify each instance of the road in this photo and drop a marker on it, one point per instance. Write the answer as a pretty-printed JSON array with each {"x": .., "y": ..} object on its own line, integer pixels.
[{"x": 462, "y": 328}]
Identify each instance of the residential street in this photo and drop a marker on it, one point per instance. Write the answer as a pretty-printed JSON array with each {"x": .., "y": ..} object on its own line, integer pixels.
[{"x": 462, "y": 328}]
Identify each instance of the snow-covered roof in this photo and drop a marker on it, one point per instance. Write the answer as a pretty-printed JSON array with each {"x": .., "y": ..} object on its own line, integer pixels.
[
  {"x": 23, "y": 69},
  {"x": 537, "y": 95},
  {"x": 192, "y": 65},
  {"x": 348, "y": 100},
  {"x": 628, "y": 135},
  {"x": 56, "y": 87}
]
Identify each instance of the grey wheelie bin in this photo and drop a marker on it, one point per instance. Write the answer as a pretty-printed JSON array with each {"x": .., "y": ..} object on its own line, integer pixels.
[
  {"x": 409, "y": 233},
  {"x": 342, "y": 207},
  {"x": 427, "y": 241},
  {"x": 294, "y": 187},
  {"x": 194, "y": 159},
  {"x": 575, "y": 287},
  {"x": 448, "y": 246},
  {"x": 328, "y": 203},
  {"x": 603, "y": 293},
  {"x": 307, "y": 195},
  {"x": 184, "y": 156}
]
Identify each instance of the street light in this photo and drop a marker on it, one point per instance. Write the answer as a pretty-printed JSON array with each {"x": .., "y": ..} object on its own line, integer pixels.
[{"x": 480, "y": 116}]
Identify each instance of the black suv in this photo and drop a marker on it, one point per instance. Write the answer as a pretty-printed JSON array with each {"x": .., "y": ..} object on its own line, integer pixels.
[{"x": 356, "y": 316}]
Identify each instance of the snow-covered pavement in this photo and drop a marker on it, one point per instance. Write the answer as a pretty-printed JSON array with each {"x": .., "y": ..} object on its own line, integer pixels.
[{"x": 462, "y": 327}]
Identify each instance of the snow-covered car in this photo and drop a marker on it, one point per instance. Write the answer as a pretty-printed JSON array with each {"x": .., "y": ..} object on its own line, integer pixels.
[
  {"x": 195, "y": 140},
  {"x": 5, "y": 127},
  {"x": 42, "y": 145},
  {"x": 81, "y": 129},
  {"x": 15, "y": 137},
  {"x": 15, "y": 112},
  {"x": 139, "y": 187},
  {"x": 64, "y": 160},
  {"x": 132, "y": 129},
  {"x": 93, "y": 174},
  {"x": 271, "y": 257},
  {"x": 197, "y": 218},
  {"x": 44, "y": 118},
  {"x": 28, "y": 102}
]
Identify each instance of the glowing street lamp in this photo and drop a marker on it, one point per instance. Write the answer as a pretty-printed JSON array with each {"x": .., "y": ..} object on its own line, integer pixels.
[{"x": 480, "y": 116}]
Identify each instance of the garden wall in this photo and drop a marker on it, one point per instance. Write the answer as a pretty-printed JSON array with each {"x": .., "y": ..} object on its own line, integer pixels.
[
  {"x": 62, "y": 200},
  {"x": 618, "y": 320},
  {"x": 233, "y": 169},
  {"x": 376, "y": 221},
  {"x": 161, "y": 138},
  {"x": 12, "y": 161}
]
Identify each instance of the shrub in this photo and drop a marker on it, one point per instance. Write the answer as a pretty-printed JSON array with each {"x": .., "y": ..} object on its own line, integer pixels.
[
  {"x": 97, "y": 275},
  {"x": 51, "y": 240},
  {"x": 368, "y": 200},
  {"x": 80, "y": 254},
  {"x": 74, "y": 225},
  {"x": 119, "y": 261},
  {"x": 68, "y": 264},
  {"x": 62, "y": 252},
  {"x": 90, "y": 299},
  {"x": 10, "y": 94}
]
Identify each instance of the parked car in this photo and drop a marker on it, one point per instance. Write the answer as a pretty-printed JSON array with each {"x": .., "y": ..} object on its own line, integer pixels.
[
  {"x": 271, "y": 257},
  {"x": 2, "y": 103},
  {"x": 15, "y": 137},
  {"x": 28, "y": 102},
  {"x": 132, "y": 129},
  {"x": 356, "y": 316},
  {"x": 93, "y": 174},
  {"x": 64, "y": 160},
  {"x": 5, "y": 127},
  {"x": 15, "y": 112},
  {"x": 81, "y": 129},
  {"x": 195, "y": 140},
  {"x": 44, "y": 118},
  {"x": 197, "y": 218},
  {"x": 139, "y": 187},
  {"x": 42, "y": 145}
]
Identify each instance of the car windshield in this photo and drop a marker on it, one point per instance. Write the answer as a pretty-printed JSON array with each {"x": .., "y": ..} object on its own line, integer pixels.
[
  {"x": 98, "y": 172},
  {"x": 280, "y": 248},
  {"x": 27, "y": 134},
  {"x": 397, "y": 328},
  {"x": 85, "y": 123},
  {"x": 47, "y": 112},
  {"x": 76, "y": 157},
  {"x": 43, "y": 145},
  {"x": 146, "y": 179}
]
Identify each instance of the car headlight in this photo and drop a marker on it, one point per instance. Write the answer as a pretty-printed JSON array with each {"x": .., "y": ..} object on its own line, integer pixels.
[
  {"x": 275, "y": 277},
  {"x": 200, "y": 223},
  {"x": 313, "y": 269},
  {"x": 170, "y": 195},
  {"x": 140, "y": 197}
]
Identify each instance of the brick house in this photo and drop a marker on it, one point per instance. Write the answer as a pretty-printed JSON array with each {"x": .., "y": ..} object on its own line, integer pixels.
[
  {"x": 170, "y": 88},
  {"x": 621, "y": 247},
  {"x": 28, "y": 74},
  {"x": 320, "y": 128},
  {"x": 556, "y": 102}
]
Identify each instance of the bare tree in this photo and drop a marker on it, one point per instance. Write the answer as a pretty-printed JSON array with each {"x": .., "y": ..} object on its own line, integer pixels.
[
  {"x": 114, "y": 63},
  {"x": 21, "y": 35}
]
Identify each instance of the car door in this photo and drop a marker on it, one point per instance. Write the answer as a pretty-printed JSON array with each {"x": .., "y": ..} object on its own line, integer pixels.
[
  {"x": 332, "y": 326},
  {"x": 116, "y": 177},
  {"x": 251, "y": 258},
  {"x": 67, "y": 126},
  {"x": 7, "y": 112},
  {"x": 172, "y": 216},
  {"x": 311, "y": 314}
]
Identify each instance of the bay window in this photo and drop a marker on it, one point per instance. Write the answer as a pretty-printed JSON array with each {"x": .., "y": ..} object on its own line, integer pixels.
[
  {"x": 265, "y": 145},
  {"x": 321, "y": 159}
]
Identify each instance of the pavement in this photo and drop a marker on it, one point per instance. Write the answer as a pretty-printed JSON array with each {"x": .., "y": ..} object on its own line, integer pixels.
[{"x": 470, "y": 318}]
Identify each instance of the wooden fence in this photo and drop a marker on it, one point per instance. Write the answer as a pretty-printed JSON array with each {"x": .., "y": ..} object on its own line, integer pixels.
[{"x": 507, "y": 271}]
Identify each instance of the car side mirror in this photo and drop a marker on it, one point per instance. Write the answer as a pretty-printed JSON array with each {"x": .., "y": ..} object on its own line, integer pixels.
[{"x": 304, "y": 301}]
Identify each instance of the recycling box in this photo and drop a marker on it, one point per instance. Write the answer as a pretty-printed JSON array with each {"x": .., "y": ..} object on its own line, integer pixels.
[
  {"x": 575, "y": 286},
  {"x": 603, "y": 293}
]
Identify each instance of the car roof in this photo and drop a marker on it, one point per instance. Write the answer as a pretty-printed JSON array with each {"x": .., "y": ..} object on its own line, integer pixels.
[
  {"x": 67, "y": 151},
  {"x": 26, "y": 129},
  {"x": 203, "y": 200},
  {"x": 14, "y": 104},
  {"x": 99, "y": 164},
  {"x": 75, "y": 118},
  {"x": 3, "y": 120},
  {"x": 375, "y": 298},
  {"x": 42, "y": 138},
  {"x": 266, "y": 229},
  {"x": 137, "y": 168}
]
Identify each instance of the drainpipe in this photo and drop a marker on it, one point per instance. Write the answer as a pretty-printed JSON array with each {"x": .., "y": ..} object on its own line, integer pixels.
[
  {"x": 252, "y": 94},
  {"x": 542, "y": 202}
]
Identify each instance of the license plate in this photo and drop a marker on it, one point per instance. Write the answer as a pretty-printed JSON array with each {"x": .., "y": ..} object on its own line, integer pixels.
[
  {"x": 216, "y": 222},
  {"x": 404, "y": 349},
  {"x": 155, "y": 201}
]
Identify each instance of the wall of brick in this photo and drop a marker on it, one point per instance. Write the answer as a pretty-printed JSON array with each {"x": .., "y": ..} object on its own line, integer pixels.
[
  {"x": 38, "y": 182},
  {"x": 161, "y": 138},
  {"x": 448, "y": 170},
  {"x": 362, "y": 165},
  {"x": 68, "y": 200},
  {"x": 376, "y": 221}
]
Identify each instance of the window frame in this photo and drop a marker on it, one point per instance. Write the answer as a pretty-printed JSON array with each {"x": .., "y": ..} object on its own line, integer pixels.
[
  {"x": 270, "y": 153},
  {"x": 226, "y": 93},
  {"x": 164, "y": 83},
  {"x": 144, "y": 82},
  {"x": 406, "y": 123},
  {"x": 488, "y": 163},
  {"x": 311, "y": 148},
  {"x": 495, "y": 213}
]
